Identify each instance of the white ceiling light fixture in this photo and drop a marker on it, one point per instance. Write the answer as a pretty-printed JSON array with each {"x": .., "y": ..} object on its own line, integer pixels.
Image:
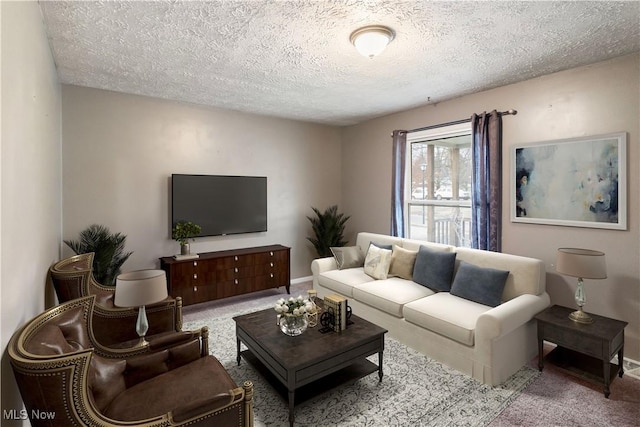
[{"x": 371, "y": 40}]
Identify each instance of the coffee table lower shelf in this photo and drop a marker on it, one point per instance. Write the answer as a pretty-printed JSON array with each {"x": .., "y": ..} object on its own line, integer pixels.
[{"x": 344, "y": 376}]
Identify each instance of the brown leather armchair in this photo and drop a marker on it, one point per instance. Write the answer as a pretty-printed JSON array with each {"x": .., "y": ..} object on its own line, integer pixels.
[
  {"x": 66, "y": 378},
  {"x": 72, "y": 278}
]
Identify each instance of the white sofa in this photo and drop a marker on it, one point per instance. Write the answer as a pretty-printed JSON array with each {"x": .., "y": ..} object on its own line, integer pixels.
[{"x": 488, "y": 343}]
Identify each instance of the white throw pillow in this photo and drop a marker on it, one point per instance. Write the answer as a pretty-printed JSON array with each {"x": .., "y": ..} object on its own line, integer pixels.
[{"x": 377, "y": 262}]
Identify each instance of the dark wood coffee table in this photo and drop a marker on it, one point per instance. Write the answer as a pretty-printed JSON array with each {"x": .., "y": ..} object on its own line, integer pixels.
[{"x": 293, "y": 365}]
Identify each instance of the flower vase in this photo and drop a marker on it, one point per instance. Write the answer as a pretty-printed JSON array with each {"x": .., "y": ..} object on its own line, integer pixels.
[{"x": 293, "y": 325}]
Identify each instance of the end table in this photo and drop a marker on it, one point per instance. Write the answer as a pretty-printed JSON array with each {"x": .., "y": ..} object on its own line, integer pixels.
[{"x": 583, "y": 349}]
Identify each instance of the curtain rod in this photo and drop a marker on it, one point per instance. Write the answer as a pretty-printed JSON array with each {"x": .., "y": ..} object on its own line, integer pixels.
[{"x": 458, "y": 122}]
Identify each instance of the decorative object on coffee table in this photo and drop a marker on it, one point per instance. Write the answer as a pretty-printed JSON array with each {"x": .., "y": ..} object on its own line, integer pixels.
[
  {"x": 293, "y": 315},
  {"x": 583, "y": 264},
  {"x": 314, "y": 312}
]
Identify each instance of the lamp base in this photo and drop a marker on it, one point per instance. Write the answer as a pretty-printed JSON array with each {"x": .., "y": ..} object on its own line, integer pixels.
[
  {"x": 580, "y": 316},
  {"x": 142, "y": 342}
]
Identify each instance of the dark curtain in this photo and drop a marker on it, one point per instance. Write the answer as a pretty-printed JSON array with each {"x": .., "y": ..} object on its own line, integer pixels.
[
  {"x": 397, "y": 179},
  {"x": 486, "y": 202}
]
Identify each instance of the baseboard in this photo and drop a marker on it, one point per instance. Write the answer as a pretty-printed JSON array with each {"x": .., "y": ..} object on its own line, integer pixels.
[{"x": 300, "y": 280}]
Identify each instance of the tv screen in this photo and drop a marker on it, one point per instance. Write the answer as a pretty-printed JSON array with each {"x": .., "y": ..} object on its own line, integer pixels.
[{"x": 220, "y": 204}]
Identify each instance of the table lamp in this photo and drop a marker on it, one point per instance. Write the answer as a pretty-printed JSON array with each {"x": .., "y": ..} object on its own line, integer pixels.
[
  {"x": 583, "y": 264},
  {"x": 140, "y": 288}
]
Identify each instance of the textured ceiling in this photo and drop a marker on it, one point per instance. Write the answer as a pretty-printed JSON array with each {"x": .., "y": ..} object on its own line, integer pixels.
[{"x": 293, "y": 59}]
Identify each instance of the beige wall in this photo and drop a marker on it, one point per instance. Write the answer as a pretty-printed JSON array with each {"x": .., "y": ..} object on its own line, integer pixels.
[
  {"x": 30, "y": 219},
  {"x": 597, "y": 99},
  {"x": 119, "y": 152}
]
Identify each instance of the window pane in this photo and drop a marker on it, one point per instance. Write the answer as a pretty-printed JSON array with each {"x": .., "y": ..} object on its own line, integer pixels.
[
  {"x": 439, "y": 208},
  {"x": 441, "y": 169},
  {"x": 450, "y": 225}
]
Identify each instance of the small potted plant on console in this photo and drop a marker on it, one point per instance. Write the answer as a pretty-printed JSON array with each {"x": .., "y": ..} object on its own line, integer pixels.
[{"x": 182, "y": 232}]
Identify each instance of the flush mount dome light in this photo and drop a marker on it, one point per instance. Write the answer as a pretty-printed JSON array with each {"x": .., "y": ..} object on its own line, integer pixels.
[{"x": 371, "y": 40}]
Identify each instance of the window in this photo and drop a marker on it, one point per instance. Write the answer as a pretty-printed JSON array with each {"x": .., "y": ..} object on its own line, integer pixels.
[{"x": 438, "y": 188}]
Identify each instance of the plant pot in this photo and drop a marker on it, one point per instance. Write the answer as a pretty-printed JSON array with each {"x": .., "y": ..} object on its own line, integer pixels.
[
  {"x": 293, "y": 325},
  {"x": 185, "y": 249}
]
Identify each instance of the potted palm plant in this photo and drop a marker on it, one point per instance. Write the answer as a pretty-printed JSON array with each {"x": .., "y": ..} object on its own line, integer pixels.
[
  {"x": 328, "y": 230},
  {"x": 182, "y": 232},
  {"x": 108, "y": 248}
]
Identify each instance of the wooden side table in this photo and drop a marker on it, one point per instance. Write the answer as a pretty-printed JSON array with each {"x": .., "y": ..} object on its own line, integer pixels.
[{"x": 583, "y": 349}]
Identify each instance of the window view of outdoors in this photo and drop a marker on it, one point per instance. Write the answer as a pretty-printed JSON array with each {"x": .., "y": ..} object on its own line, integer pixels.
[{"x": 440, "y": 207}]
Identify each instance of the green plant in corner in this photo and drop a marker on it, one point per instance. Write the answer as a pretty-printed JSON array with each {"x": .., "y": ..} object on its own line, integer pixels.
[
  {"x": 108, "y": 248},
  {"x": 183, "y": 231},
  {"x": 328, "y": 229}
]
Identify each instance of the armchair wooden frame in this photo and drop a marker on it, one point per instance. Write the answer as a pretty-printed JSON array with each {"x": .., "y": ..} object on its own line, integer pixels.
[
  {"x": 73, "y": 278},
  {"x": 62, "y": 383}
]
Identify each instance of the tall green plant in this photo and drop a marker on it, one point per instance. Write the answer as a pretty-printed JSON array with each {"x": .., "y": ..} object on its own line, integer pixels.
[
  {"x": 328, "y": 229},
  {"x": 108, "y": 248}
]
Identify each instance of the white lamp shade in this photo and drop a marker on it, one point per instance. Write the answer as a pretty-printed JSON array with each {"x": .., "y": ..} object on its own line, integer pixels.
[
  {"x": 141, "y": 287},
  {"x": 582, "y": 263},
  {"x": 371, "y": 41}
]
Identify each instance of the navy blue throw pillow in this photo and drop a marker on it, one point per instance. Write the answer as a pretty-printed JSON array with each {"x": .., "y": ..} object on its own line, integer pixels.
[
  {"x": 479, "y": 284},
  {"x": 434, "y": 269}
]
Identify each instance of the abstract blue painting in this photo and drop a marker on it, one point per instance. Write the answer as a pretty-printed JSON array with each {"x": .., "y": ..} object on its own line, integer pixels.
[{"x": 579, "y": 182}]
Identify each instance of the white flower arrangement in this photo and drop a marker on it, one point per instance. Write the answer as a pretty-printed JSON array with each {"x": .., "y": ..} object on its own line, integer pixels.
[{"x": 293, "y": 306}]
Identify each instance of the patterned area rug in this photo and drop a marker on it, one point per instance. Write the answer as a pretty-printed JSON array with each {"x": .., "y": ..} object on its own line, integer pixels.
[{"x": 415, "y": 390}]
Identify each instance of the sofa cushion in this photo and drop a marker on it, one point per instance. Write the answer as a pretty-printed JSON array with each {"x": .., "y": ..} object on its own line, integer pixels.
[
  {"x": 389, "y": 295},
  {"x": 402, "y": 262},
  {"x": 434, "y": 269},
  {"x": 348, "y": 257},
  {"x": 343, "y": 281},
  {"x": 447, "y": 315},
  {"x": 377, "y": 262},
  {"x": 482, "y": 285}
]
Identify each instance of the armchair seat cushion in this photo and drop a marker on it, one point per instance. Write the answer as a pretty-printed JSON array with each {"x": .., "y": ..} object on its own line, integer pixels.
[{"x": 171, "y": 390}]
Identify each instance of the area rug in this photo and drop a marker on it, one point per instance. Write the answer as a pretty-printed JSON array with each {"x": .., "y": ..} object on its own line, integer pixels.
[{"x": 415, "y": 390}]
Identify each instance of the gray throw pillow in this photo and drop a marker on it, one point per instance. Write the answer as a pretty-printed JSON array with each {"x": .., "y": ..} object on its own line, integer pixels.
[
  {"x": 434, "y": 269},
  {"x": 348, "y": 257},
  {"x": 479, "y": 284}
]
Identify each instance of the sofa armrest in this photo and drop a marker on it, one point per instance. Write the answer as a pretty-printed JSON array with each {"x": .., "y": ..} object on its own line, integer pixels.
[
  {"x": 510, "y": 315},
  {"x": 320, "y": 265}
]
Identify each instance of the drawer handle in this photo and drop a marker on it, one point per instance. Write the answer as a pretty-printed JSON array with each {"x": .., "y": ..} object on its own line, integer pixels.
[
  {"x": 236, "y": 269},
  {"x": 195, "y": 276},
  {"x": 236, "y": 258},
  {"x": 236, "y": 281},
  {"x": 195, "y": 263},
  {"x": 195, "y": 289},
  {"x": 271, "y": 264},
  {"x": 271, "y": 275},
  {"x": 271, "y": 253}
]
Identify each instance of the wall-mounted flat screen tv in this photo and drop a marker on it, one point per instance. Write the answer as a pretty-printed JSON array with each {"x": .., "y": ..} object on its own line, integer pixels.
[{"x": 220, "y": 204}]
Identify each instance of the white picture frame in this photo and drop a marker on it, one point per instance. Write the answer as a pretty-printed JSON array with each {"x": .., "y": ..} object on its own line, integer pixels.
[{"x": 577, "y": 182}]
